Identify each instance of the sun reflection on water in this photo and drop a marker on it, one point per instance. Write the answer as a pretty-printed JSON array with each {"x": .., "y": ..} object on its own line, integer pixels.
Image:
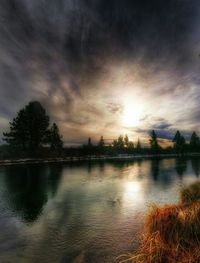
[{"x": 133, "y": 194}]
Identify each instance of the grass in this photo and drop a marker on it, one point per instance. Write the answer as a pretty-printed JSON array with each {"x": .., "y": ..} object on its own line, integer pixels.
[
  {"x": 172, "y": 232},
  {"x": 190, "y": 194}
]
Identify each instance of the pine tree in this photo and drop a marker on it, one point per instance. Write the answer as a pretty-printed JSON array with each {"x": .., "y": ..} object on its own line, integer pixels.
[
  {"x": 194, "y": 142},
  {"x": 179, "y": 143},
  {"x": 154, "y": 142},
  {"x": 101, "y": 142},
  {"x": 120, "y": 142},
  {"x": 138, "y": 146},
  {"x": 29, "y": 129},
  {"x": 126, "y": 141},
  {"x": 89, "y": 142},
  {"x": 55, "y": 138}
]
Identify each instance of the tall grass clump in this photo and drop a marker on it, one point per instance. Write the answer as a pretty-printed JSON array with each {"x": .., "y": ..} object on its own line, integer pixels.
[
  {"x": 172, "y": 232},
  {"x": 191, "y": 194}
]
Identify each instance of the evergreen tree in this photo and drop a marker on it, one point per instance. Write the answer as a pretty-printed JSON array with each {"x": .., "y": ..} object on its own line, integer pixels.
[
  {"x": 30, "y": 128},
  {"x": 114, "y": 143},
  {"x": 120, "y": 142},
  {"x": 18, "y": 136},
  {"x": 126, "y": 141},
  {"x": 55, "y": 138},
  {"x": 177, "y": 139},
  {"x": 131, "y": 145},
  {"x": 179, "y": 143},
  {"x": 89, "y": 142},
  {"x": 138, "y": 146},
  {"x": 154, "y": 142},
  {"x": 194, "y": 142},
  {"x": 101, "y": 142}
]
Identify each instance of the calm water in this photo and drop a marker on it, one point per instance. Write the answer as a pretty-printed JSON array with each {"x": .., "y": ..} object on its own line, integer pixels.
[{"x": 85, "y": 212}]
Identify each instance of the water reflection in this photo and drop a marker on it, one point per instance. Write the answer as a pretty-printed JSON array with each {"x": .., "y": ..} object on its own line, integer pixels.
[
  {"x": 196, "y": 166},
  {"x": 181, "y": 166},
  {"x": 155, "y": 169},
  {"x": 84, "y": 211},
  {"x": 28, "y": 188}
]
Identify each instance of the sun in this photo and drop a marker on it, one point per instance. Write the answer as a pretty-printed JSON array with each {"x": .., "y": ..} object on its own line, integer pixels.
[{"x": 131, "y": 114}]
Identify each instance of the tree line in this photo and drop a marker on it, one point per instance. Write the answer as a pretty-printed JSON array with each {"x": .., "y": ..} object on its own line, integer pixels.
[
  {"x": 123, "y": 145},
  {"x": 30, "y": 134}
]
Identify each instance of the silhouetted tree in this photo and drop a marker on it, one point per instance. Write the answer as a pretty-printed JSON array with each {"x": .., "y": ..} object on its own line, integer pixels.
[
  {"x": 29, "y": 129},
  {"x": 120, "y": 142},
  {"x": 131, "y": 146},
  {"x": 138, "y": 146},
  {"x": 194, "y": 142},
  {"x": 89, "y": 142},
  {"x": 101, "y": 142},
  {"x": 18, "y": 135},
  {"x": 101, "y": 146},
  {"x": 154, "y": 142},
  {"x": 55, "y": 139},
  {"x": 179, "y": 143},
  {"x": 126, "y": 141}
]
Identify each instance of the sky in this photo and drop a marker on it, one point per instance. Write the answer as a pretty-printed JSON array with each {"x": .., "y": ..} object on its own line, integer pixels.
[{"x": 103, "y": 67}]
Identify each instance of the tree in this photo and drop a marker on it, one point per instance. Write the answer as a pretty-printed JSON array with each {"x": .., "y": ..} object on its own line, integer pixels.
[
  {"x": 194, "y": 142},
  {"x": 18, "y": 136},
  {"x": 177, "y": 139},
  {"x": 126, "y": 141},
  {"x": 55, "y": 139},
  {"x": 120, "y": 142},
  {"x": 89, "y": 142},
  {"x": 179, "y": 142},
  {"x": 138, "y": 146},
  {"x": 101, "y": 142},
  {"x": 131, "y": 145},
  {"x": 30, "y": 128},
  {"x": 154, "y": 142}
]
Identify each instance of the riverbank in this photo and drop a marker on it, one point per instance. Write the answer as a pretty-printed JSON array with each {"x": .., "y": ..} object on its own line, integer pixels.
[
  {"x": 172, "y": 232},
  {"x": 120, "y": 157},
  {"x": 86, "y": 158}
]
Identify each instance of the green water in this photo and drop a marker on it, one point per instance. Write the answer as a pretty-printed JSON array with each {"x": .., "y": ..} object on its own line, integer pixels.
[{"x": 89, "y": 212}]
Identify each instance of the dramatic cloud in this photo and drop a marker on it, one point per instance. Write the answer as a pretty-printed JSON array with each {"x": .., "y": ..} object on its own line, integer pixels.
[{"x": 97, "y": 64}]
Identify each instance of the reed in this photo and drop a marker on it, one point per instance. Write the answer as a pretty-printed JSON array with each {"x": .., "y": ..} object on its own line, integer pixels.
[{"x": 172, "y": 232}]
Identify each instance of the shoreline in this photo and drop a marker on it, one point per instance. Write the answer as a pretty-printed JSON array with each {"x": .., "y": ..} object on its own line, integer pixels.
[{"x": 91, "y": 158}]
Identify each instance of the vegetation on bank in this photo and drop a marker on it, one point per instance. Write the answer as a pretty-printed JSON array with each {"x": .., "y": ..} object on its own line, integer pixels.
[
  {"x": 31, "y": 135},
  {"x": 172, "y": 232}
]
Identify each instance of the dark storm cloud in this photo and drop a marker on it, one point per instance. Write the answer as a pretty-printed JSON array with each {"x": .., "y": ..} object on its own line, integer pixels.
[
  {"x": 80, "y": 30},
  {"x": 162, "y": 126},
  {"x": 52, "y": 50}
]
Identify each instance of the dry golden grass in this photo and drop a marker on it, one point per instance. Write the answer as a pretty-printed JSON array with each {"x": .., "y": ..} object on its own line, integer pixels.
[
  {"x": 190, "y": 194},
  {"x": 172, "y": 232}
]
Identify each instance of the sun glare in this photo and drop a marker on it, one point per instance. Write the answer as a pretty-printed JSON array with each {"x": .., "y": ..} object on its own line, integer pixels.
[
  {"x": 131, "y": 114},
  {"x": 132, "y": 189},
  {"x": 133, "y": 193}
]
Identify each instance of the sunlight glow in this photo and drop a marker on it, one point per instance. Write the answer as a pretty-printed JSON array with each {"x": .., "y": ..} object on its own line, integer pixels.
[
  {"x": 132, "y": 189},
  {"x": 133, "y": 195},
  {"x": 132, "y": 113}
]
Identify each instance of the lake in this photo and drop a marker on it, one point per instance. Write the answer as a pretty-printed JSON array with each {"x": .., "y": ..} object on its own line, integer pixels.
[{"x": 83, "y": 212}]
